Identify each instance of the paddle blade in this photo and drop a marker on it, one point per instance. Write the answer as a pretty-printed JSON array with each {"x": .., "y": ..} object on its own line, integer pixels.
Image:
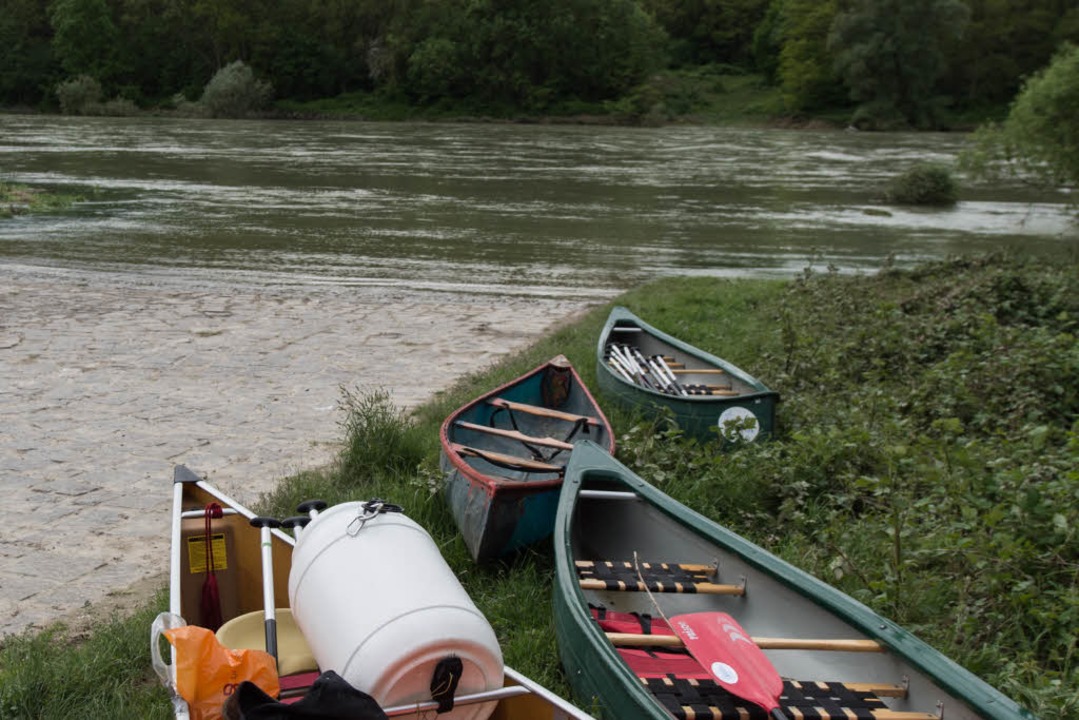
[
  {"x": 722, "y": 647},
  {"x": 210, "y": 606}
]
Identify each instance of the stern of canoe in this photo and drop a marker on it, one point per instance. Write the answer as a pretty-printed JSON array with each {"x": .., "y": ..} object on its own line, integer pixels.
[{"x": 499, "y": 521}]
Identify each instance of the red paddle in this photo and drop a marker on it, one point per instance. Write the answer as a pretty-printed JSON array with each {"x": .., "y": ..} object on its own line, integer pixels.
[
  {"x": 723, "y": 648},
  {"x": 210, "y": 607}
]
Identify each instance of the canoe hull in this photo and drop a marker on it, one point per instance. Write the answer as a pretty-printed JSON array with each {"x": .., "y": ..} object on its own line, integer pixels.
[
  {"x": 749, "y": 415},
  {"x": 239, "y": 576},
  {"x": 777, "y": 600},
  {"x": 500, "y": 509},
  {"x": 497, "y": 523}
]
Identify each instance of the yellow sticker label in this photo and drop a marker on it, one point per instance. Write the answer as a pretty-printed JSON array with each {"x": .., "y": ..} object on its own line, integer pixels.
[{"x": 196, "y": 553}]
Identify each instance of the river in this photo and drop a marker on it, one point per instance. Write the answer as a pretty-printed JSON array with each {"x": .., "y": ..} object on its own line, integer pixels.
[
  {"x": 505, "y": 209},
  {"x": 223, "y": 281}
]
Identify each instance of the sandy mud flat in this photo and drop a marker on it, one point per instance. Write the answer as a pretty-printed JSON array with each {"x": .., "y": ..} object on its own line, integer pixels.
[{"x": 106, "y": 384}]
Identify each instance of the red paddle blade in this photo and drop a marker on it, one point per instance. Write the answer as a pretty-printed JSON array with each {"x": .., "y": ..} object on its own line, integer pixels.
[{"x": 722, "y": 647}]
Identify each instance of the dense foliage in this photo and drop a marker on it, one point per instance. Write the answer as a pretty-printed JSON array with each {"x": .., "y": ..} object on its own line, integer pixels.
[
  {"x": 1040, "y": 137},
  {"x": 928, "y": 462},
  {"x": 892, "y": 62}
]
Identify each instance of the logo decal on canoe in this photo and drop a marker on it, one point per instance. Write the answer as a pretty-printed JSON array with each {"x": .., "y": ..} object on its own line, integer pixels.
[{"x": 738, "y": 423}]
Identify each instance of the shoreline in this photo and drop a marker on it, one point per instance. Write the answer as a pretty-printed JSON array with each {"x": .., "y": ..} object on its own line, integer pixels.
[{"x": 107, "y": 384}]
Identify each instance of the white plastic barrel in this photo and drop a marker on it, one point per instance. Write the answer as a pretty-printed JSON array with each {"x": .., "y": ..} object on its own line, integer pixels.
[{"x": 379, "y": 606}]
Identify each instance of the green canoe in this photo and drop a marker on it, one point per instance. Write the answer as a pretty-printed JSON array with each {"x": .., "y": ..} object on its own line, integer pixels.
[
  {"x": 629, "y": 558},
  {"x": 642, "y": 367}
]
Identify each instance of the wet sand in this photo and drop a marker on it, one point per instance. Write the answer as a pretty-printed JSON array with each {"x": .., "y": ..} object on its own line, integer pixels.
[{"x": 106, "y": 384}]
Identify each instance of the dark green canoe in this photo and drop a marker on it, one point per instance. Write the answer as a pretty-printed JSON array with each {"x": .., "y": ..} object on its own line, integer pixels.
[
  {"x": 642, "y": 367},
  {"x": 838, "y": 659}
]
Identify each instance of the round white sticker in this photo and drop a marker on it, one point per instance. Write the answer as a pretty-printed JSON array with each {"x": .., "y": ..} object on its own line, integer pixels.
[
  {"x": 745, "y": 422},
  {"x": 724, "y": 673}
]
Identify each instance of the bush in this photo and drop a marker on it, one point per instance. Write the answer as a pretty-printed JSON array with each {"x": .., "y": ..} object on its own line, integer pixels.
[
  {"x": 117, "y": 107},
  {"x": 78, "y": 95},
  {"x": 923, "y": 184},
  {"x": 1040, "y": 137},
  {"x": 233, "y": 92}
]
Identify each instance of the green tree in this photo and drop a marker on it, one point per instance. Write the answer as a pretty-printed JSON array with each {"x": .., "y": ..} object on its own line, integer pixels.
[
  {"x": 84, "y": 37},
  {"x": 709, "y": 31},
  {"x": 26, "y": 60},
  {"x": 890, "y": 54},
  {"x": 806, "y": 71},
  {"x": 161, "y": 52},
  {"x": 1040, "y": 137},
  {"x": 525, "y": 54},
  {"x": 1005, "y": 42}
]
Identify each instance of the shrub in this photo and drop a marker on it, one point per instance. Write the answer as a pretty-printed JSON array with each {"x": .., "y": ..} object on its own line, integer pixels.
[
  {"x": 78, "y": 95},
  {"x": 381, "y": 439},
  {"x": 233, "y": 92},
  {"x": 117, "y": 107},
  {"x": 923, "y": 184},
  {"x": 1039, "y": 137}
]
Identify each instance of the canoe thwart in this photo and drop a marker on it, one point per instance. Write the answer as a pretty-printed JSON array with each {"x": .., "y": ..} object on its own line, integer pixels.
[
  {"x": 506, "y": 460},
  {"x": 699, "y": 699},
  {"x": 515, "y": 435},
  {"x": 765, "y": 643},
  {"x": 542, "y": 411},
  {"x": 653, "y": 577}
]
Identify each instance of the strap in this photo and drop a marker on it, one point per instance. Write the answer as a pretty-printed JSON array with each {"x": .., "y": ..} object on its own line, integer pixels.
[{"x": 444, "y": 682}]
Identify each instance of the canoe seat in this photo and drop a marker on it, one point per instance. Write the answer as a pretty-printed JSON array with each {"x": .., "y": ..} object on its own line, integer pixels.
[
  {"x": 512, "y": 462},
  {"x": 248, "y": 632},
  {"x": 655, "y": 577},
  {"x": 701, "y": 698}
]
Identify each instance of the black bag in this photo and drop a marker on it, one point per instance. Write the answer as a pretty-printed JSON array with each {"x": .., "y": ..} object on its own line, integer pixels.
[{"x": 330, "y": 698}]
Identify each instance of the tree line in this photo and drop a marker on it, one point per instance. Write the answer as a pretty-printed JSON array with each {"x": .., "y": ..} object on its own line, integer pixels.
[{"x": 890, "y": 63}]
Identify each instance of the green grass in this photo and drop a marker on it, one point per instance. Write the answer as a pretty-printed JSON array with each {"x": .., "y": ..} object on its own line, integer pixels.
[
  {"x": 21, "y": 200},
  {"x": 926, "y": 463}
]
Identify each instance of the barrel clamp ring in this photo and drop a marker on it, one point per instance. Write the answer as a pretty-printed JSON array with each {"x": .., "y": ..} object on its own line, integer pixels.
[{"x": 368, "y": 510}]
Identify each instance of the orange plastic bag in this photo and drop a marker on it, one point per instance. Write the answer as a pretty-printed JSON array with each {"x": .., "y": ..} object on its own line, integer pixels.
[{"x": 207, "y": 672}]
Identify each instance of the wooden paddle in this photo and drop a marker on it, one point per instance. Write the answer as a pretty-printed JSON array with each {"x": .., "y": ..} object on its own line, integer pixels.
[
  {"x": 724, "y": 649},
  {"x": 765, "y": 643}
]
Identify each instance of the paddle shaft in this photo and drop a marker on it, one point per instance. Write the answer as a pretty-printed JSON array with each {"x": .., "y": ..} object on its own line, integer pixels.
[
  {"x": 542, "y": 411},
  {"x": 703, "y": 588},
  {"x": 269, "y": 605},
  {"x": 765, "y": 643},
  {"x": 516, "y": 435}
]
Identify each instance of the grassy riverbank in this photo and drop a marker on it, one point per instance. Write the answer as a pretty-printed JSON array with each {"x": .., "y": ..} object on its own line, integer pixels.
[{"x": 927, "y": 462}]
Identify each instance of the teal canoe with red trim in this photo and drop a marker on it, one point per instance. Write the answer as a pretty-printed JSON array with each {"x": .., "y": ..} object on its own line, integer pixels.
[
  {"x": 628, "y": 557},
  {"x": 641, "y": 367},
  {"x": 504, "y": 453}
]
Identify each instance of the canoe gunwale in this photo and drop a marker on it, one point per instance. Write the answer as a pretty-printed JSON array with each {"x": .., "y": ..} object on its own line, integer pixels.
[{"x": 590, "y": 460}]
